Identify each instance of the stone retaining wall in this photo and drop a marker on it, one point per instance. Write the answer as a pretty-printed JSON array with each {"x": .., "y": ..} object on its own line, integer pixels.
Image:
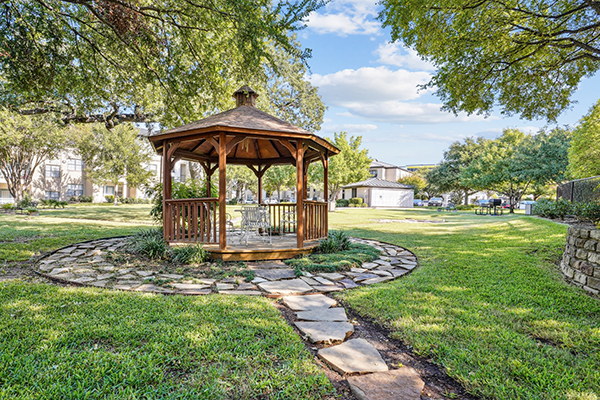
[{"x": 581, "y": 260}]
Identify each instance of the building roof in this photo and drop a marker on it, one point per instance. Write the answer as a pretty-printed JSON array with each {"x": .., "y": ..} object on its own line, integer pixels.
[
  {"x": 378, "y": 183},
  {"x": 380, "y": 164}
]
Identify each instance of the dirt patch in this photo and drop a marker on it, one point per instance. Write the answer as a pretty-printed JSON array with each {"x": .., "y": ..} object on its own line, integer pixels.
[
  {"x": 20, "y": 270},
  {"x": 438, "y": 385}
]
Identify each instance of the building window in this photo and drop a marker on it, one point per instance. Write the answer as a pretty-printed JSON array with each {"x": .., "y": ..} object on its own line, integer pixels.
[
  {"x": 74, "y": 190},
  {"x": 109, "y": 190},
  {"x": 74, "y": 165},
  {"x": 52, "y": 195},
  {"x": 52, "y": 171},
  {"x": 373, "y": 173},
  {"x": 5, "y": 197},
  {"x": 354, "y": 192},
  {"x": 343, "y": 193}
]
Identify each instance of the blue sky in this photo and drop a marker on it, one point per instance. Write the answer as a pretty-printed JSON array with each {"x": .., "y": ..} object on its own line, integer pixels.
[{"x": 369, "y": 86}]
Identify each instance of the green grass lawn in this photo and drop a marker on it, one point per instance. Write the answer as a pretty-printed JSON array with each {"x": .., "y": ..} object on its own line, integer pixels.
[
  {"x": 74, "y": 343},
  {"x": 139, "y": 213},
  {"x": 488, "y": 302}
]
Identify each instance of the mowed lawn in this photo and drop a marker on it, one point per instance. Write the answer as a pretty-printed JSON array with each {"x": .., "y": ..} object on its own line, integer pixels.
[
  {"x": 488, "y": 302},
  {"x": 83, "y": 343}
]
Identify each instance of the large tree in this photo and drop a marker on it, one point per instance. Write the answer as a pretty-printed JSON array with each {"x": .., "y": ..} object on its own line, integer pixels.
[
  {"x": 526, "y": 56},
  {"x": 448, "y": 175},
  {"x": 127, "y": 60},
  {"x": 350, "y": 165},
  {"x": 584, "y": 154},
  {"x": 110, "y": 156},
  {"x": 26, "y": 142},
  {"x": 279, "y": 177}
]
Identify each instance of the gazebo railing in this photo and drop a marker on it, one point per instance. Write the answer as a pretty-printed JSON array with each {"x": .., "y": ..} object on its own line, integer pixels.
[
  {"x": 315, "y": 217},
  {"x": 315, "y": 220},
  {"x": 191, "y": 220}
]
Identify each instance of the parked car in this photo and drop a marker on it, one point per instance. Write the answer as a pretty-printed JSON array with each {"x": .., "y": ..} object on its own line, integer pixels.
[
  {"x": 418, "y": 203},
  {"x": 436, "y": 202},
  {"x": 482, "y": 202},
  {"x": 425, "y": 203}
]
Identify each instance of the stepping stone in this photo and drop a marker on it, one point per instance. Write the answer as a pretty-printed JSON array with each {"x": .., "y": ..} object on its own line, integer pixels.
[
  {"x": 364, "y": 277},
  {"x": 403, "y": 383},
  {"x": 107, "y": 268},
  {"x": 206, "y": 281},
  {"x": 348, "y": 283},
  {"x": 327, "y": 289},
  {"x": 104, "y": 276},
  {"x": 57, "y": 271},
  {"x": 383, "y": 268},
  {"x": 46, "y": 268},
  {"x": 275, "y": 274},
  {"x": 78, "y": 253},
  {"x": 355, "y": 356},
  {"x": 65, "y": 276},
  {"x": 225, "y": 286},
  {"x": 124, "y": 287},
  {"x": 124, "y": 271},
  {"x": 334, "y": 276},
  {"x": 369, "y": 265},
  {"x": 144, "y": 273},
  {"x": 373, "y": 281},
  {"x": 310, "y": 281},
  {"x": 130, "y": 282},
  {"x": 325, "y": 332},
  {"x": 194, "y": 292},
  {"x": 188, "y": 286},
  {"x": 66, "y": 250},
  {"x": 358, "y": 270},
  {"x": 246, "y": 286},
  {"x": 127, "y": 276},
  {"x": 98, "y": 283},
  {"x": 258, "y": 280},
  {"x": 323, "y": 314},
  {"x": 241, "y": 292},
  {"x": 83, "y": 279},
  {"x": 171, "y": 276},
  {"x": 380, "y": 272},
  {"x": 301, "y": 303},
  {"x": 307, "y": 274},
  {"x": 147, "y": 287},
  {"x": 290, "y": 286},
  {"x": 397, "y": 272},
  {"x": 323, "y": 281},
  {"x": 409, "y": 266}
]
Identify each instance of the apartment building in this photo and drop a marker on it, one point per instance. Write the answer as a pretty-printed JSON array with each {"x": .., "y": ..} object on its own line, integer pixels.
[
  {"x": 64, "y": 177},
  {"x": 387, "y": 172}
]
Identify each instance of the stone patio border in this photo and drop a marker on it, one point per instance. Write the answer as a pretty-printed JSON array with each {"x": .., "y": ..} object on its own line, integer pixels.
[{"x": 84, "y": 264}]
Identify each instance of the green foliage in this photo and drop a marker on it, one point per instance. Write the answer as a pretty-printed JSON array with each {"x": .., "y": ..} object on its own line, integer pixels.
[
  {"x": 8, "y": 206},
  {"x": 25, "y": 201},
  {"x": 584, "y": 154},
  {"x": 416, "y": 182},
  {"x": 357, "y": 201},
  {"x": 111, "y": 198},
  {"x": 354, "y": 257},
  {"x": 587, "y": 212},
  {"x": 150, "y": 243},
  {"x": 519, "y": 55},
  {"x": 553, "y": 209},
  {"x": 26, "y": 142},
  {"x": 171, "y": 62},
  {"x": 190, "y": 254},
  {"x": 86, "y": 199},
  {"x": 342, "y": 202},
  {"x": 350, "y": 165},
  {"x": 112, "y": 155},
  {"x": 278, "y": 178},
  {"x": 190, "y": 189},
  {"x": 336, "y": 241},
  {"x": 31, "y": 210}
]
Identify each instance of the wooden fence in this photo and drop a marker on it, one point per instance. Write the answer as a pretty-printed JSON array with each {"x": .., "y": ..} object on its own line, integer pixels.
[{"x": 191, "y": 220}]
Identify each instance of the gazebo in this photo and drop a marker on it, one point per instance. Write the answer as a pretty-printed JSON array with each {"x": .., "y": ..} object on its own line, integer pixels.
[{"x": 247, "y": 136}]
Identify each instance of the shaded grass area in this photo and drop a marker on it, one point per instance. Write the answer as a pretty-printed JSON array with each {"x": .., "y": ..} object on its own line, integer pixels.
[
  {"x": 22, "y": 237},
  {"x": 139, "y": 213},
  {"x": 339, "y": 261},
  {"x": 92, "y": 343},
  {"x": 488, "y": 303}
]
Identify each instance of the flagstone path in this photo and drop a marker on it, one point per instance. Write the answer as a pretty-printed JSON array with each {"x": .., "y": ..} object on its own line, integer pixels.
[
  {"x": 87, "y": 264},
  {"x": 317, "y": 317}
]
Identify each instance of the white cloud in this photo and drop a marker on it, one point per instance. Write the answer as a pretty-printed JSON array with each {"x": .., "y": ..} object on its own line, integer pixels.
[
  {"x": 369, "y": 84},
  {"x": 346, "y": 17},
  {"x": 350, "y": 128},
  {"x": 400, "y": 56}
]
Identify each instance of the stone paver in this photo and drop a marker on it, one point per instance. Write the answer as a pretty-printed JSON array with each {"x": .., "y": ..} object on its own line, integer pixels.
[
  {"x": 325, "y": 332},
  {"x": 323, "y": 314},
  {"x": 356, "y": 356},
  {"x": 300, "y": 303},
  {"x": 275, "y": 274},
  {"x": 333, "y": 276},
  {"x": 188, "y": 286},
  {"x": 403, "y": 383},
  {"x": 288, "y": 286}
]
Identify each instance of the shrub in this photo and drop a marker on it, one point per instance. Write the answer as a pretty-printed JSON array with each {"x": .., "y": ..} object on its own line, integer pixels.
[
  {"x": 110, "y": 198},
  {"x": 192, "y": 254},
  {"x": 466, "y": 207},
  {"x": 232, "y": 202},
  {"x": 31, "y": 210},
  {"x": 553, "y": 209},
  {"x": 25, "y": 201},
  {"x": 150, "y": 243},
  {"x": 587, "y": 212},
  {"x": 357, "y": 201},
  {"x": 341, "y": 203},
  {"x": 86, "y": 199},
  {"x": 335, "y": 241},
  {"x": 8, "y": 206},
  {"x": 363, "y": 205}
]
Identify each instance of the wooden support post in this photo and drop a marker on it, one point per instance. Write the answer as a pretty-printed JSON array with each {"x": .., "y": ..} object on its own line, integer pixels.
[
  {"x": 300, "y": 194},
  {"x": 167, "y": 192},
  {"x": 222, "y": 191},
  {"x": 260, "y": 188},
  {"x": 325, "y": 161},
  {"x": 208, "y": 183}
]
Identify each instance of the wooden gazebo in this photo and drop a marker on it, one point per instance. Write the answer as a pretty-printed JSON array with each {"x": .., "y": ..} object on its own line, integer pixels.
[{"x": 245, "y": 136}]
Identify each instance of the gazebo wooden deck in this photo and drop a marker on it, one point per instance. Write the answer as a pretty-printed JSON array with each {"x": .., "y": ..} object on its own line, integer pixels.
[{"x": 244, "y": 136}]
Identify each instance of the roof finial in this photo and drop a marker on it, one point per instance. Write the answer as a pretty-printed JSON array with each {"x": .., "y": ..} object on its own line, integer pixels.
[{"x": 245, "y": 96}]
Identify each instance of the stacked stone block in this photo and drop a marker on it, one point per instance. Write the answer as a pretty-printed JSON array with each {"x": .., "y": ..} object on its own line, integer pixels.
[{"x": 581, "y": 260}]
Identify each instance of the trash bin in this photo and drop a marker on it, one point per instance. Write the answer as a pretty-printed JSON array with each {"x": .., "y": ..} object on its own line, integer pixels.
[{"x": 528, "y": 209}]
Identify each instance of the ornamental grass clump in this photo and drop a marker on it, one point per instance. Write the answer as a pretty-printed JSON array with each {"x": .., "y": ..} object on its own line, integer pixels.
[
  {"x": 335, "y": 241},
  {"x": 149, "y": 243},
  {"x": 191, "y": 254}
]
